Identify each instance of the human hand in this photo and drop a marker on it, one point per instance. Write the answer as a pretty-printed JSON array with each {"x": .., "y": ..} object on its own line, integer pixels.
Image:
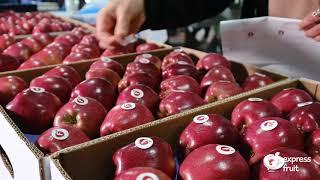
[
  {"x": 311, "y": 25},
  {"x": 117, "y": 20}
]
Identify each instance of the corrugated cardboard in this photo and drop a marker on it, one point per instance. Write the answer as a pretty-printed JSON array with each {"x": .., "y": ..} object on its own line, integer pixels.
[{"x": 27, "y": 161}]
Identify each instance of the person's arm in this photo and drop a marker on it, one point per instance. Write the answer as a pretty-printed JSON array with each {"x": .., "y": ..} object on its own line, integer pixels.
[{"x": 176, "y": 13}]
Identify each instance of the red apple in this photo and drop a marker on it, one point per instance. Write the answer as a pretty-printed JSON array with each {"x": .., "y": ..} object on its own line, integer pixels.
[
  {"x": 222, "y": 89},
  {"x": 125, "y": 116},
  {"x": 146, "y": 47},
  {"x": 54, "y": 84},
  {"x": 112, "y": 52},
  {"x": 208, "y": 129},
  {"x": 288, "y": 99},
  {"x": 145, "y": 152},
  {"x": 105, "y": 73},
  {"x": 56, "y": 27},
  {"x": 251, "y": 110},
  {"x": 18, "y": 51},
  {"x": 212, "y": 59},
  {"x": 63, "y": 49},
  {"x": 5, "y": 41},
  {"x": 217, "y": 73},
  {"x": 69, "y": 39},
  {"x": 142, "y": 173},
  {"x": 43, "y": 38},
  {"x": 10, "y": 86},
  {"x": 41, "y": 28},
  {"x": 306, "y": 117},
  {"x": 175, "y": 56},
  {"x": 108, "y": 63},
  {"x": 34, "y": 109},
  {"x": 139, "y": 94},
  {"x": 84, "y": 113},
  {"x": 57, "y": 138},
  {"x": 214, "y": 161},
  {"x": 89, "y": 39},
  {"x": 144, "y": 66},
  {"x": 98, "y": 89},
  {"x": 177, "y": 102},
  {"x": 286, "y": 163},
  {"x": 76, "y": 56},
  {"x": 179, "y": 83},
  {"x": 32, "y": 44},
  {"x": 31, "y": 64},
  {"x": 313, "y": 146},
  {"x": 153, "y": 59},
  {"x": 255, "y": 81},
  {"x": 79, "y": 31},
  {"x": 138, "y": 78},
  {"x": 94, "y": 51},
  {"x": 269, "y": 133},
  {"x": 8, "y": 63},
  {"x": 67, "y": 72},
  {"x": 180, "y": 68}
]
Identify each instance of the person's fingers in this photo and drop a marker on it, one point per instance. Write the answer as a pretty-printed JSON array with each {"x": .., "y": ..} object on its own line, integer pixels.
[
  {"x": 105, "y": 23},
  {"x": 314, "y": 31},
  {"x": 317, "y": 38},
  {"x": 309, "y": 21},
  {"x": 122, "y": 27}
]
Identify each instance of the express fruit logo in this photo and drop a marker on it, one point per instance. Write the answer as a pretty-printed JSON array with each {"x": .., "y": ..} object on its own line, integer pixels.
[
  {"x": 200, "y": 119},
  {"x": 147, "y": 176},
  {"x": 273, "y": 161},
  {"x": 137, "y": 93},
  {"x": 225, "y": 150},
  {"x": 144, "y": 142},
  {"x": 60, "y": 134}
]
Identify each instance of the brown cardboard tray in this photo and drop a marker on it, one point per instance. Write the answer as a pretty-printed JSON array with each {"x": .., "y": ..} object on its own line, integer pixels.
[{"x": 24, "y": 159}]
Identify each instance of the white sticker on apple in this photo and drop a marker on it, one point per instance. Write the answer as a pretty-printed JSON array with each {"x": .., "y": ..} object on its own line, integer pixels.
[
  {"x": 273, "y": 161},
  {"x": 81, "y": 100},
  {"x": 137, "y": 93},
  {"x": 106, "y": 59},
  {"x": 143, "y": 142},
  {"x": 144, "y": 61},
  {"x": 182, "y": 63},
  {"x": 200, "y": 119},
  {"x": 128, "y": 106},
  {"x": 255, "y": 99},
  {"x": 147, "y": 176},
  {"x": 60, "y": 134},
  {"x": 147, "y": 56},
  {"x": 37, "y": 89},
  {"x": 259, "y": 74},
  {"x": 225, "y": 150},
  {"x": 269, "y": 125},
  {"x": 305, "y": 104},
  {"x": 178, "y": 50}
]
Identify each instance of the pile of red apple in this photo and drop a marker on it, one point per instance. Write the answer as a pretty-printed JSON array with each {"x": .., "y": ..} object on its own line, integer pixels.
[
  {"x": 14, "y": 23},
  {"x": 264, "y": 140}
]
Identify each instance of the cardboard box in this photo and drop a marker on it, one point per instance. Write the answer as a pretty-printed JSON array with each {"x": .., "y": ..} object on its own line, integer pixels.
[
  {"x": 72, "y": 163},
  {"x": 28, "y": 161}
]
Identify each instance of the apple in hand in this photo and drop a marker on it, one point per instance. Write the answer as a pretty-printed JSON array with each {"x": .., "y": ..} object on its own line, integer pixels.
[
  {"x": 222, "y": 89},
  {"x": 269, "y": 133},
  {"x": 180, "y": 68},
  {"x": 18, "y": 51},
  {"x": 10, "y": 86},
  {"x": 313, "y": 146},
  {"x": 84, "y": 113},
  {"x": 57, "y": 138},
  {"x": 179, "y": 101},
  {"x": 214, "y": 161},
  {"x": 54, "y": 84},
  {"x": 138, "y": 78},
  {"x": 175, "y": 56},
  {"x": 179, "y": 83},
  {"x": 251, "y": 110},
  {"x": 104, "y": 73},
  {"x": 217, "y": 73},
  {"x": 125, "y": 116},
  {"x": 255, "y": 81},
  {"x": 153, "y": 59},
  {"x": 110, "y": 64},
  {"x": 146, "y": 47},
  {"x": 67, "y": 72},
  {"x": 306, "y": 117},
  {"x": 288, "y": 99},
  {"x": 273, "y": 166},
  {"x": 8, "y": 63},
  {"x": 139, "y": 94},
  {"x": 34, "y": 109},
  {"x": 210, "y": 60},
  {"x": 98, "y": 89},
  {"x": 208, "y": 129},
  {"x": 142, "y": 173},
  {"x": 145, "y": 152}
]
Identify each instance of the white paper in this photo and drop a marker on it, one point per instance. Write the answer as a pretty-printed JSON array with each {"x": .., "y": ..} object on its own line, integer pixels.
[{"x": 274, "y": 43}]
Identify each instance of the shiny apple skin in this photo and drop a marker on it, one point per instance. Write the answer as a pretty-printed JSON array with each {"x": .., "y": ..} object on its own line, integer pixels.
[
  {"x": 153, "y": 59},
  {"x": 18, "y": 51},
  {"x": 206, "y": 163},
  {"x": 31, "y": 64},
  {"x": 180, "y": 69},
  {"x": 256, "y": 80},
  {"x": 32, "y": 44},
  {"x": 262, "y": 142},
  {"x": 222, "y": 89},
  {"x": 133, "y": 173},
  {"x": 138, "y": 78},
  {"x": 288, "y": 99},
  {"x": 217, "y": 73},
  {"x": 10, "y": 86},
  {"x": 67, "y": 72},
  {"x": 146, "y": 47},
  {"x": 8, "y": 63},
  {"x": 176, "y": 56},
  {"x": 149, "y": 68},
  {"x": 217, "y": 130},
  {"x": 212, "y": 59},
  {"x": 159, "y": 156},
  {"x": 106, "y": 74},
  {"x": 110, "y": 64}
]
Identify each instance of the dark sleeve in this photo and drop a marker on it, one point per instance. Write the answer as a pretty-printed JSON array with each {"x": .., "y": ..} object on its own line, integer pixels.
[{"x": 176, "y": 13}]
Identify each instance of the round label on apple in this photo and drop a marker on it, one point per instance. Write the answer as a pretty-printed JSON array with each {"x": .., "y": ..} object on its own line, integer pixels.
[
  {"x": 255, "y": 99},
  {"x": 269, "y": 125},
  {"x": 81, "y": 100},
  {"x": 273, "y": 161},
  {"x": 305, "y": 104},
  {"x": 106, "y": 59},
  {"x": 225, "y": 150},
  {"x": 137, "y": 93},
  {"x": 128, "y": 106},
  {"x": 178, "y": 50},
  {"x": 144, "y": 142},
  {"x": 259, "y": 74},
  {"x": 147, "y": 176},
  {"x": 60, "y": 134},
  {"x": 144, "y": 61},
  {"x": 147, "y": 56},
  {"x": 37, "y": 89},
  {"x": 200, "y": 119}
]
